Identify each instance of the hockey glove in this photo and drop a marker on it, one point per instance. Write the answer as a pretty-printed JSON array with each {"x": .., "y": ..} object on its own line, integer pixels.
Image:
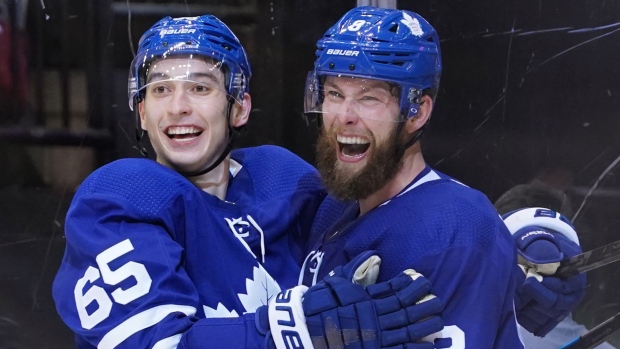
[
  {"x": 339, "y": 313},
  {"x": 544, "y": 238}
]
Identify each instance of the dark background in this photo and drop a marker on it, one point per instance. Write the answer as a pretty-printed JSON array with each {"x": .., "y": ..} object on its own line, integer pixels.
[{"x": 530, "y": 90}]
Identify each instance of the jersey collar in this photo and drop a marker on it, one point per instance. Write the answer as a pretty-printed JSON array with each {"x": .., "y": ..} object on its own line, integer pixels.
[{"x": 425, "y": 176}]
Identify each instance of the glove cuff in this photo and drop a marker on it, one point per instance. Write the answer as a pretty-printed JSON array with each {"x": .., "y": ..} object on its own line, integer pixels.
[
  {"x": 287, "y": 320},
  {"x": 542, "y": 217}
]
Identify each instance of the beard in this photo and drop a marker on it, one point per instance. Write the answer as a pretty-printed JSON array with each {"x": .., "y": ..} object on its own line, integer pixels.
[{"x": 344, "y": 182}]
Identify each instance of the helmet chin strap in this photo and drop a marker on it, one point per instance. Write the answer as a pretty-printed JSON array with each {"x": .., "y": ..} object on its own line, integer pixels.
[
  {"x": 401, "y": 149},
  {"x": 139, "y": 146},
  {"x": 233, "y": 132},
  {"x": 139, "y": 133}
]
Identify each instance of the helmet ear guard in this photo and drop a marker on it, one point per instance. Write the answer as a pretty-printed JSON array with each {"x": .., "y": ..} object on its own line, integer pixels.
[
  {"x": 238, "y": 86},
  {"x": 414, "y": 97}
]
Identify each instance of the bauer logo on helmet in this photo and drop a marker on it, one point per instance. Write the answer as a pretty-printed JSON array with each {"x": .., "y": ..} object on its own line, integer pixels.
[
  {"x": 342, "y": 52},
  {"x": 176, "y": 31}
]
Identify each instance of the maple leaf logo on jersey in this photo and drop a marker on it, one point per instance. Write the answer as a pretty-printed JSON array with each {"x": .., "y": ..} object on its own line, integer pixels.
[
  {"x": 413, "y": 24},
  {"x": 259, "y": 290},
  {"x": 220, "y": 311}
]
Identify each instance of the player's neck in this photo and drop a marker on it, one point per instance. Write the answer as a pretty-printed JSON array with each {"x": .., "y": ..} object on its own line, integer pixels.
[
  {"x": 413, "y": 164},
  {"x": 214, "y": 182}
]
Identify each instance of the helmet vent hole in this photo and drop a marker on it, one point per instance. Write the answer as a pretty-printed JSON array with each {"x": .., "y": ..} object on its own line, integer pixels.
[{"x": 394, "y": 28}]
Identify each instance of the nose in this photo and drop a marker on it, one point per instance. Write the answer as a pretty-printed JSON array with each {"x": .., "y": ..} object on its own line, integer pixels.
[
  {"x": 347, "y": 112},
  {"x": 179, "y": 104}
]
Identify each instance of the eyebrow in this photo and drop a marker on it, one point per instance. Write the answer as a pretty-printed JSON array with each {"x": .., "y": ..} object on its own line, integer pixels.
[
  {"x": 373, "y": 85},
  {"x": 329, "y": 83},
  {"x": 163, "y": 76}
]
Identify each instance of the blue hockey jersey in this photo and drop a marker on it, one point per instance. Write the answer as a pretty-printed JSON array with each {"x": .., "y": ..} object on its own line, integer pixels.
[
  {"x": 448, "y": 232},
  {"x": 151, "y": 259}
]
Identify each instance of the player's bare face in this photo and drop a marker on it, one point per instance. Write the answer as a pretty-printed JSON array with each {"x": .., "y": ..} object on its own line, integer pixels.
[
  {"x": 184, "y": 112},
  {"x": 357, "y": 148}
]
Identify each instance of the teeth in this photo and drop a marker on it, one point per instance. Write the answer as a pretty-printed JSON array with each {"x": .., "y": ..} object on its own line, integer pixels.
[
  {"x": 182, "y": 130},
  {"x": 351, "y": 140}
]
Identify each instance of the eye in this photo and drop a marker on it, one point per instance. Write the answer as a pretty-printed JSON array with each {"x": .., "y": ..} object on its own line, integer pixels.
[
  {"x": 375, "y": 97},
  {"x": 159, "y": 89},
  {"x": 369, "y": 98},
  {"x": 201, "y": 88},
  {"x": 332, "y": 94}
]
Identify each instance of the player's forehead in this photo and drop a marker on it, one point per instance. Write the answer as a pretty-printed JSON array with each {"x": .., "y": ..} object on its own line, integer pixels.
[
  {"x": 183, "y": 67},
  {"x": 356, "y": 84}
]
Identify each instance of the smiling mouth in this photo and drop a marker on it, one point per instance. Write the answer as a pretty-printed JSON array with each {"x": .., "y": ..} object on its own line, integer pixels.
[
  {"x": 352, "y": 146},
  {"x": 183, "y": 133}
]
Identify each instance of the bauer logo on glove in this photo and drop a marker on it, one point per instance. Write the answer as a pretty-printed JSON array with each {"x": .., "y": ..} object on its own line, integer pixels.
[{"x": 544, "y": 238}]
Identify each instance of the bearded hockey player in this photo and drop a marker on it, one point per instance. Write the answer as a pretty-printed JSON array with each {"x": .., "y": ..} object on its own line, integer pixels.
[{"x": 373, "y": 86}]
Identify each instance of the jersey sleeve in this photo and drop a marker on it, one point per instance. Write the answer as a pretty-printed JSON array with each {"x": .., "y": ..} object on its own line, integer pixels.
[
  {"x": 478, "y": 293},
  {"x": 458, "y": 242},
  {"x": 122, "y": 282}
]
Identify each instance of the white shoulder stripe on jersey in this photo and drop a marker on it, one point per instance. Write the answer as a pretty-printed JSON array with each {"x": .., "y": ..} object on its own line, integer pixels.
[
  {"x": 457, "y": 182},
  {"x": 139, "y": 322},
  {"x": 429, "y": 177},
  {"x": 234, "y": 167},
  {"x": 168, "y": 343}
]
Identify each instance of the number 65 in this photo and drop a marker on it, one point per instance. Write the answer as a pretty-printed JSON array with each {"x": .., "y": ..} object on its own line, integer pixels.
[{"x": 110, "y": 277}]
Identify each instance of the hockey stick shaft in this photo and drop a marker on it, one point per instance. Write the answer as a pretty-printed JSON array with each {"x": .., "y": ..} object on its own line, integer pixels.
[
  {"x": 593, "y": 259},
  {"x": 596, "y": 335}
]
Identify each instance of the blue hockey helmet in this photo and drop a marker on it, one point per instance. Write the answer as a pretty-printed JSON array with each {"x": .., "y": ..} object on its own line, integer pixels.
[
  {"x": 203, "y": 36},
  {"x": 397, "y": 46}
]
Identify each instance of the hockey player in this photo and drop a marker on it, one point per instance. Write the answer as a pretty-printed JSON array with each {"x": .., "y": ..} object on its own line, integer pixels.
[
  {"x": 179, "y": 253},
  {"x": 373, "y": 85}
]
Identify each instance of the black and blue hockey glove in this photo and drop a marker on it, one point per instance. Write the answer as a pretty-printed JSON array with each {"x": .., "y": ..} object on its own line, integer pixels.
[
  {"x": 339, "y": 313},
  {"x": 544, "y": 238}
]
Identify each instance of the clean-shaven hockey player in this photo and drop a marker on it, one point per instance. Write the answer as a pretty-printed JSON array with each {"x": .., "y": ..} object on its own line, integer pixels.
[
  {"x": 373, "y": 84},
  {"x": 179, "y": 253}
]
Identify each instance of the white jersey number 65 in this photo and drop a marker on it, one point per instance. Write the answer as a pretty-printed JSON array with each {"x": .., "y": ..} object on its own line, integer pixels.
[{"x": 110, "y": 277}]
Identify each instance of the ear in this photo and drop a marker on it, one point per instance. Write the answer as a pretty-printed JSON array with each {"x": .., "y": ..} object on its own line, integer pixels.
[
  {"x": 142, "y": 115},
  {"x": 421, "y": 118},
  {"x": 241, "y": 111}
]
